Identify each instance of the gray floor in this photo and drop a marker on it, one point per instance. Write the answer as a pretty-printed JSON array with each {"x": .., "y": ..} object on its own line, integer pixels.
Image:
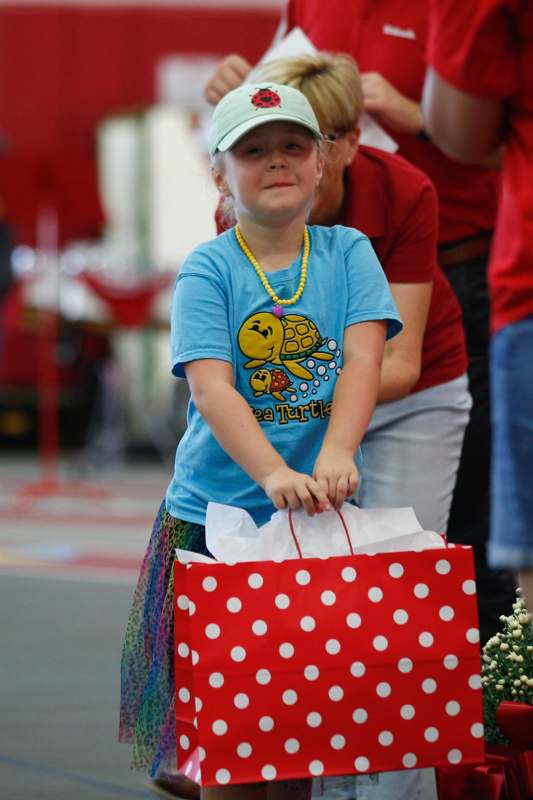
[{"x": 64, "y": 598}]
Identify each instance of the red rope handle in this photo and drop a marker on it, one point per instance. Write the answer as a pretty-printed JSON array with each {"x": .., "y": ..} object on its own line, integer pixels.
[{"x": 343, "y": 523}]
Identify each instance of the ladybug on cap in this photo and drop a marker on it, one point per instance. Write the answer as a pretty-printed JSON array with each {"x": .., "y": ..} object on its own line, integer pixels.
[{"x": 266, "y": 98}]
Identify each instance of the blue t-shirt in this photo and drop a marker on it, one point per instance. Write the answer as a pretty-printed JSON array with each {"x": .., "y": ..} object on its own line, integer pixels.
[{"x": 285, "y": 367}]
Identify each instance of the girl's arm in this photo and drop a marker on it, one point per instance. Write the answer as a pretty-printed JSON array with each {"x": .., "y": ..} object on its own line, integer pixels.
[
  {"x": 237, "y": 431},
  {"x": 402, "y": 359},
  {"x": 354, "y": 400}
]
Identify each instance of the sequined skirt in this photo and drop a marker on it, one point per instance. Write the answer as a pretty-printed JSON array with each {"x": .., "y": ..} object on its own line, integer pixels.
[{"x": 147, "y": 713}]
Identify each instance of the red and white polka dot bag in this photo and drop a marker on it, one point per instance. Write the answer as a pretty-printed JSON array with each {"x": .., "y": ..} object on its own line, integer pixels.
[{"x": 327, "y": 666}]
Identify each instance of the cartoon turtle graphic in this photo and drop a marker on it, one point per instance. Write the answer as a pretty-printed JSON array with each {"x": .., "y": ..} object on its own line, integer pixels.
[
  {"x": 266, "y": 98},
  {"x": 270, "y": 381},
  {"x": 288, "y": 340}
]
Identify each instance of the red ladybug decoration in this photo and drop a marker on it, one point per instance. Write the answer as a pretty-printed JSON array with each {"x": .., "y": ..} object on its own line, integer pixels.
[{"x": 266, "y": 98}]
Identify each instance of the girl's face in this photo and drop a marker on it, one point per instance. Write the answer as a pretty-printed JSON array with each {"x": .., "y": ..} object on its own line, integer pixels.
[{"x": 272, "y": 173}]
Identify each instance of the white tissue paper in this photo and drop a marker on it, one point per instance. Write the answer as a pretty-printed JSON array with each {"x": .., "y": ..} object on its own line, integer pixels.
[{"x": 232, "y": 536}]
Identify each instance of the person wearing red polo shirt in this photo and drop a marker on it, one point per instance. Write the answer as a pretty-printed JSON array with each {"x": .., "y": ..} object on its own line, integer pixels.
[
  {"x": 478, "y": 96},
  {"x": 388, "y": 41}
]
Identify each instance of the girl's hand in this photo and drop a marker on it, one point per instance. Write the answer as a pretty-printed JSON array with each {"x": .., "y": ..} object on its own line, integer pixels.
[
  {"x": 286, "y": 487},
  {"x": 336, "y": 474},
  {"x": 389, "y": 106}
]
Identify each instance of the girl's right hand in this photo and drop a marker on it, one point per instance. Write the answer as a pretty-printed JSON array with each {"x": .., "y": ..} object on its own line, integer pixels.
[{"x": 286, "y": 487}]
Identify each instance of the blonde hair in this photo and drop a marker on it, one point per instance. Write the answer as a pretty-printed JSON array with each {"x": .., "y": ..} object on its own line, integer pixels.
[{"x": 330, "y": 81}]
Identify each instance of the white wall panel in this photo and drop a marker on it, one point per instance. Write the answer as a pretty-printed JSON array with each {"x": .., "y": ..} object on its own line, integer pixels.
[{"x": 181, "y": 197}]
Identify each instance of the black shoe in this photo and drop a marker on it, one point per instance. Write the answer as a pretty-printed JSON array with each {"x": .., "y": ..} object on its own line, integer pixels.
[{"x": 175, "y": 786}]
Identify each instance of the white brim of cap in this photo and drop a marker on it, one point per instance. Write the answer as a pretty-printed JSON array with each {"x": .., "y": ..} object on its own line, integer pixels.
[{"x": 238, "y": 132}]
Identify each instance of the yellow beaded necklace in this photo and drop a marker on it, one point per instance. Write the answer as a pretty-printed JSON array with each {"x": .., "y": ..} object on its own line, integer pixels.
[{"x": 279, "y": 302}]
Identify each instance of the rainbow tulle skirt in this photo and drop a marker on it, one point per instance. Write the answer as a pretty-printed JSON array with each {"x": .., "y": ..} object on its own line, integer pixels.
[{"x": 147, "y": 714}]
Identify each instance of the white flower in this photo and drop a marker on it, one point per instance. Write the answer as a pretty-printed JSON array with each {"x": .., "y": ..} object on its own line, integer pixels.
[{"x": 504, "y": 646}]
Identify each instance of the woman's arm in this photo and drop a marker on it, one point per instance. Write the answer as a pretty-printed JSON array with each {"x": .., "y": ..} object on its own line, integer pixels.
[
  {"x": 354, "y": 400},
  {"x": 237, "y": 431},
  {"x": 440, "y": 118},
  {"x": 402, "y": 361},
  {"x": 465, "y": 127}
]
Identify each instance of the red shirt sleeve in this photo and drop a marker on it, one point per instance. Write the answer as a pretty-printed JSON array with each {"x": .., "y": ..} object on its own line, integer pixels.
[
  {"x": 472, "y": 44},
  {"x": 224, "y": 217}
]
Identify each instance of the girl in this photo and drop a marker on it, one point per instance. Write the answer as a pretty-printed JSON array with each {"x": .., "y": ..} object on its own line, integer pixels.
[{"x": 280, "y": 330}]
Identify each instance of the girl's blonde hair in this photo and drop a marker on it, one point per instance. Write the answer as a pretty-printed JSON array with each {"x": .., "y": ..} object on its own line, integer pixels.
[{"x": 331, "y": 82}]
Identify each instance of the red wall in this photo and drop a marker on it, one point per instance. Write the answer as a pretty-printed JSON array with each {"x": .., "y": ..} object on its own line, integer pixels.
[{"x": 63, "y": 69}]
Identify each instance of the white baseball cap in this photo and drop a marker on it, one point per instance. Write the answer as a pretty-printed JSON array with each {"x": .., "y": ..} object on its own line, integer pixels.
[{"x": 251, "y": 105}]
